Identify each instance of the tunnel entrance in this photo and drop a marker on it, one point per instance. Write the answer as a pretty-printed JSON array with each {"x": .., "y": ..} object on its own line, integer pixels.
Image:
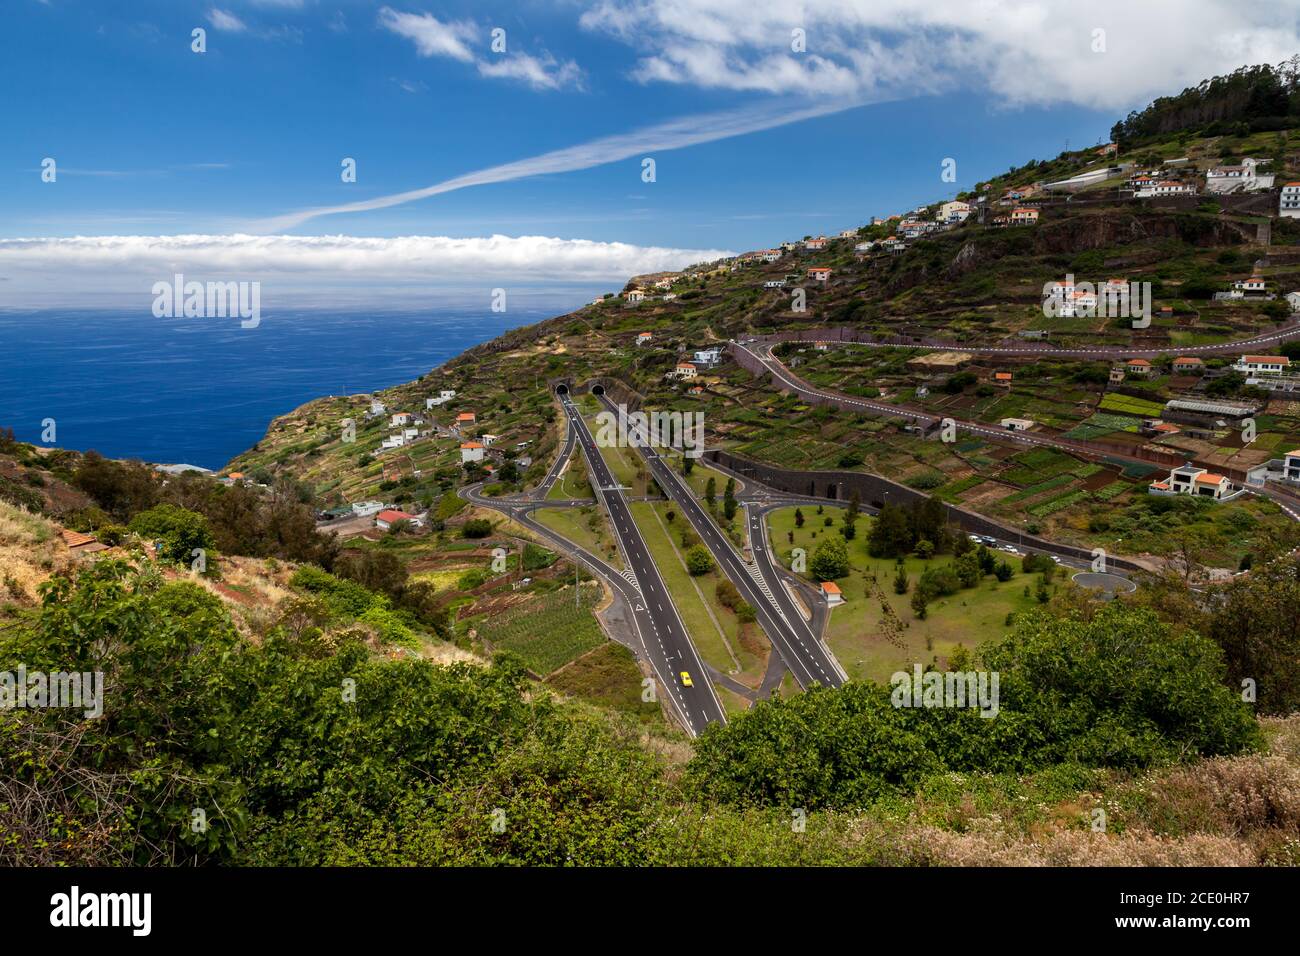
[
  {"x": 598, "y": 389},
  {"x": 561, "y": 389}
]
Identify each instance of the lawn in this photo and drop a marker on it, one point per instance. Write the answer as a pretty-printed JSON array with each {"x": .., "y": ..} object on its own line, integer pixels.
[
  {"x": 855, "y": 633},
  {"x": 586, "y": 527},
  {"x": 549, "y": 630},
  {"x": 573, "y": 483}
]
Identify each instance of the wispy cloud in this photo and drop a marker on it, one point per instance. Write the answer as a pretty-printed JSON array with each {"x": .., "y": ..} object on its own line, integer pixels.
[
  {"x": 456, "y": 39},
  {"x": 663, "y": 137},
  {"x": 225, "y": 21}
]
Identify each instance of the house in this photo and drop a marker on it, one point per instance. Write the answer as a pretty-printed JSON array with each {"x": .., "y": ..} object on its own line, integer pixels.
[
  {"x": 446, "y": 395},
  {"x": 669, "y": 296},
  {"x": 364, "y": 509},
  {"x": 819, "y": 274},
  {"x": 696, "y": 390},
  {"x": 1110, "y": 149},
  {"x": 848, "y": 233},
  {"x": 82, "y": 543},
  {"x": 1018, "y": 424},
  {"x": 770, "y": 255},
  {"x": 410, "y": 434},
  {"x": 708, "y": 357},
  {"x": 471, "y": 451},
  {"x": 831, "y": 591},
  {"x": 1024, "y": 216},
  {"x": 389, "y": 517},
  {"x": 862, "y": 248},
  {"x": 1190, "y": 479},
  {"x": 822, "y": 346},
  {"x": 393, "y": 441},
  {"x": 1165, "y": 187},
  {"x": 1263, "y": 364},
  {"x": 1188, "y": 366},
  {"x": 635, "y": 295},
  {"x": 1293, "y": 300},
  {"x": 1116, "y": 376},
  {"x": 1245, "y": 178},
  {"x": 684, "y": 370},
  {"x": 1255, "y": 284},
  {"x": 954, "y": 211},
  {"x": 893, "y": 244},
  {"x": 1002, "y": 378},
  {"x": 465, "y": 418},
  {"x": 376, "y": 409},
  {"x": 643, "y": 338},
  {"x": 1288, "y": 203},
  {"x": 1291, "y": 467},
  {"x": 1139, "y": 367},
  {"x": 815, "y": 244},
  {"x": 488, "y": 440},
  {"x": 400, "y": 418}
]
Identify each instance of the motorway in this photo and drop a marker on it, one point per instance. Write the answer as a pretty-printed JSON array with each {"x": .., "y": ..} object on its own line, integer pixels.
[
  {"x": 810, "y": 661},
  {"x": 561, "y": 460},
  {"x": 667, "y": 643}
]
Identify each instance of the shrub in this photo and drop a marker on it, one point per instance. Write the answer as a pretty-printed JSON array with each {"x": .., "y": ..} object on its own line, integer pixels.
[{"x": 699, "y": 561}]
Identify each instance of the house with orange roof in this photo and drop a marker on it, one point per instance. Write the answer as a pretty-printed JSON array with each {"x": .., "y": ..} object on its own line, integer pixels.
[
  {"x": 1002, "y": 378},
  {"x": 832, "y": 593},
  {"x": 819, "y": 274},
  {"x": 643, "y": 338},
  {"x": 1024, "y": 216},
  {"x": 1193, "y": 480},
  {"x": 80, "y": 543},
  {"x": 1188, "y": 365},
  {"x": 391, "y": 516},
  {"x": 471, "y": 451},
  {"x": 1138, "y": 366}
]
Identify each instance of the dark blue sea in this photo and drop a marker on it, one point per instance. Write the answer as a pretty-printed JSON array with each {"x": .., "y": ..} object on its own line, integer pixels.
[{"x": 200, "y": 391}]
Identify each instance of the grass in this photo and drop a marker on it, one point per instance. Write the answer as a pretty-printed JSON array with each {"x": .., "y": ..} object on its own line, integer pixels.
[
  {"x": 609, "y": 677},
  {"x": 854, "y": 631},
  {"x": 547, "y": 631},
  {"x": 586, "y": 527},
  {"x": 573, "y": 483}
]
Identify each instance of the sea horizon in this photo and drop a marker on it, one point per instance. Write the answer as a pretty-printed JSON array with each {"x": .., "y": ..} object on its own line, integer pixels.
[{"x": 202, "y": 391}]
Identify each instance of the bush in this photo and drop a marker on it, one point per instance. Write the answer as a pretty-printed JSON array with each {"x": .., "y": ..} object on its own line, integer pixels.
[
  {"x": 179, "y": 530},
  {"x": 831, "y": 559},
  {"x": 476, "y": 528},
  {"x": 699, "y": 561}
]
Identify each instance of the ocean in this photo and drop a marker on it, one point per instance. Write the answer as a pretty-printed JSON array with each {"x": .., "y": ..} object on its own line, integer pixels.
[{"x": 200, "y": 391}]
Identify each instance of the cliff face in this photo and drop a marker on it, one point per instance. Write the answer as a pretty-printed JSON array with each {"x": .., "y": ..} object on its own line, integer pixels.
[{"x": 1103, "y": 230}]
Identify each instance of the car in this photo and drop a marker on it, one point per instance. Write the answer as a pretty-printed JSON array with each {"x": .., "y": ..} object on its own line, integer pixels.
[
  {"x": 976, "y": 538},
  {"x": 988, "y": 540},
  {"x": 1056, "y": 559},
  {"x": 1009, "y": 549},
  {"x": 686, "y": 679}
]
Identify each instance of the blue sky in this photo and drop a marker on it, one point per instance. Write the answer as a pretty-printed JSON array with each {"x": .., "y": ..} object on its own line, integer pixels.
[{"x": 154, "y": 140}]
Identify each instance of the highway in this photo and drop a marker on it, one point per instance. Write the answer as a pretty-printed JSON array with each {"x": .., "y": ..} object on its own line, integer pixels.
[
  {"x": 667, "y": 643},
  {"x": 557, "y": 468},
  {"x": 807, "y": 658}
]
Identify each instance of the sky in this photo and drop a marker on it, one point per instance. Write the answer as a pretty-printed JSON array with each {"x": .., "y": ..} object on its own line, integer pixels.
[{"x": 504, "y": 144}]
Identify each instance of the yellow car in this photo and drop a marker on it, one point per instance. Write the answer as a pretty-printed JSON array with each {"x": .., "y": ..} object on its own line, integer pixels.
[{"x": 686, "y": 679}]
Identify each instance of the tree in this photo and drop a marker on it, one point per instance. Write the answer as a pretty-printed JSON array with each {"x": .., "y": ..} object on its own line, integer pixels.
[
  {"x": 890, "y": 534},
  {"x": 798, "y": 518},
  {"x": 967, "y": 567},
  {"x": 900, "y": 579},
  {"x": 851, "y": 516},
  {"x": 711, "y": 491},
  {"x": 476, "y": 528},
  {"x": 831, "y": 559},
  {"x": 180, "y": 531},
  {"x": 729, "y": 499},
  {"x": 699, "y": 561},
  {"x": 920, "y": 606},
  {"x": 925, "y": 550},
  {"x": 688, "y": 465},
  {"x": 1002, "y": 571}
]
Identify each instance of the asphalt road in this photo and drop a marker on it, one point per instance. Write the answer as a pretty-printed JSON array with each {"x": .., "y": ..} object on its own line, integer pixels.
[
  {"x": 562, "y": 459},
  {"x": 808, "y": 659},
  {"x": 667, "y": 643}
]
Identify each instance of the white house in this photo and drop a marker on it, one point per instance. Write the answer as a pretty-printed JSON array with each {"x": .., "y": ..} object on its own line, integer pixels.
[
  {"x": 446, "y": 395},
  {"x": 685, "y": 370},
  {"x": 893, "y": 244},
  {"x": 771, "y": 255},
  {"x": 643, "y": 338},
  {"x": 819, "y": 274},
  {"x": 400, "y": 418},
  {"x": 471, "y": 451},
  {"x": 393, "y": 441},
  {"x": 863, "y": 247},
  {"x": 363, "y": 509},
  {"x": 815, "y": 244},
  {"x": 1018, "y": 424},
  {"x": 954, "y": 211},
  {"x": 831, "y": 591},
  {"x": 1245, "y": 178},
  {"x": 488, "y": 440},
  {"x": 1255, "y": 284},
  {"x": 709, "y": 356},
  {"x": 1263, "y": 364},
  {"x": 377, "y": 408},
  {"x": 1288, "y": 203},
  {"x": 1292, "y": 465},
  {"x": 1293, "y": 300},
  {"x": 635, "y": 295},
  {"x": 410, "y": 434},
  {"x": 1189, "y": 479},
  {"x": 1166, "y": 187}
]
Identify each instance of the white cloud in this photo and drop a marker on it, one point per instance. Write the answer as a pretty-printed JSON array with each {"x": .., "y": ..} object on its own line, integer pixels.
[
  {"x": 228, "y": 22},
  {"x": 46, "y": 271},
  {"x": 662, "y": 137},
  {"x": 430, "y": 35},
  {"x": 433, "y": 37},
  {"x": 1024, "y": 51}
]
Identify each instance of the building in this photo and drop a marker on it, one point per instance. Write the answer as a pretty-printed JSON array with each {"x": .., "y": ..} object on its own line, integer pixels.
[
  {"x": 1263, "y": 365},
  {"x": 1024, "y": 216},
  {"x": 389, "y": 517},
  {"x": 364, "y": 509},
  {"x": 1116, "y": 376},
  {"x": 1018, "y": 424},
  {"x": 393, "y": 441},
  {"x": 815, "y": 244},
  {"x": 1139, "y": 367},
  {"x": 708, "y": 357},
  {"x": 446, "y": 395},
  {"x": 1293, "y": 300},
  {"x": 1184, "y": 365},
  {"x": 774, "y": 284},
  {"x": 685, "y": 370},
  {"x": 471, "y": 451},
  {"x": 643, "y": 338},
  {"x": 1245, "y": 178},
  {"x": 465, "y": 418},
  {"x": 954, "y": 211},
  {"x": 1206, "y": 413},
  {"x": 1288, "y": 204},
  {"x": 635, "y": 295},
  {"x": 1164, "y": 187},
  {"x": 1190, "y": 479},
  {"x": 831, "y": 591},
  {"x": 1291, "y": 469},
  {"x": 80, "y": 543},
  {"x": 1254, "y": 285},
  {"x": 401, "y": 418},
  {"x": 1002, "y": 378},
  {"x": 819, "y": 274}
]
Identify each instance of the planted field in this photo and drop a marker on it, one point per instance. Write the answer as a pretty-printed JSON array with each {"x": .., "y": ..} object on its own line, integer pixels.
[
  {"x": 1128, "y": 405},
  {"x": 549, "y": 630}
]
